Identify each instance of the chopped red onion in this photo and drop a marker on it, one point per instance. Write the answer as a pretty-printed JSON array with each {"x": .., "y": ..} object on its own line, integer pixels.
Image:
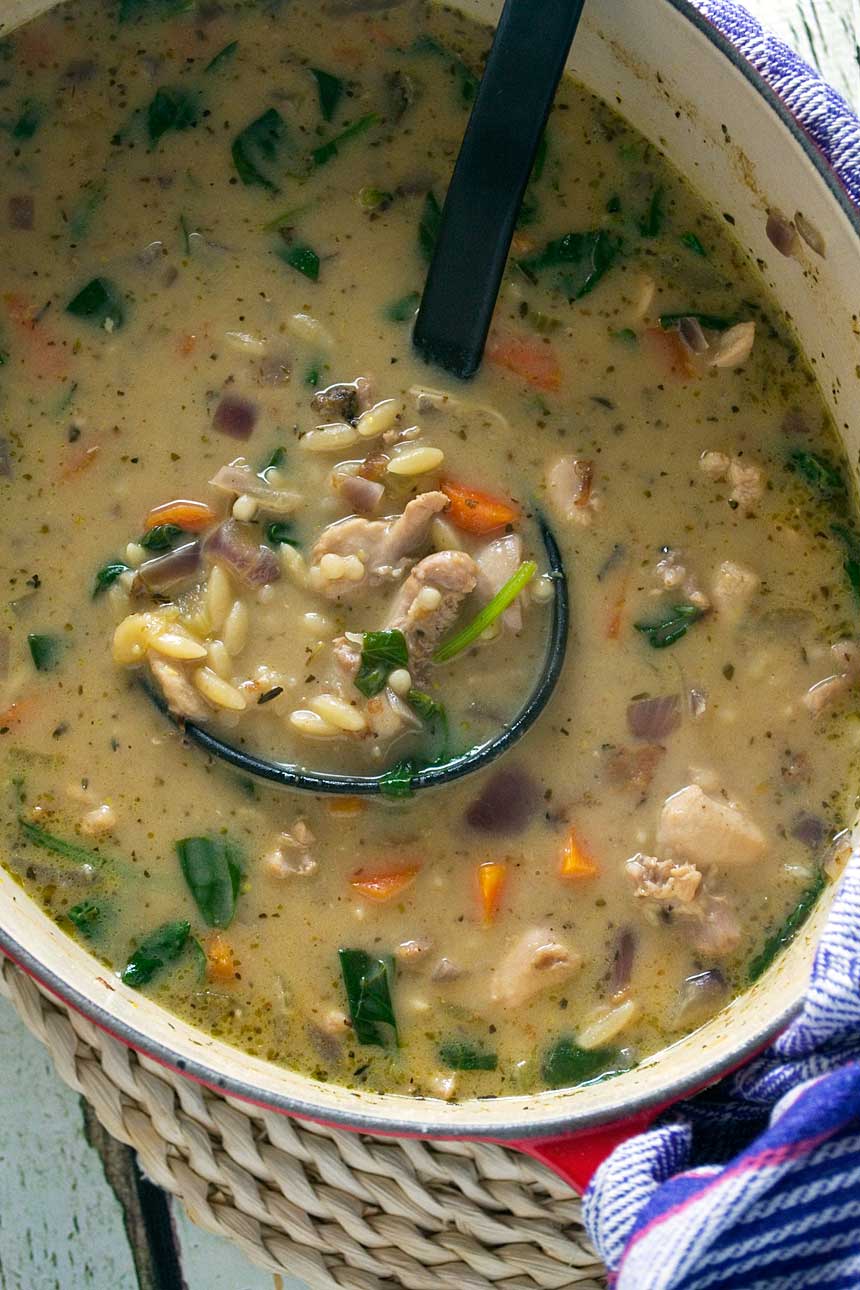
[
  {"x": 690, "y": 331},
  {"x": 5, "y": 458},
  {"x": 809, "y": 829},
  {"x": 810, "y": 234},
  {"x": 363, "y": 495},
  {"x": 235, "y": 416},
  {"x": 21, "y": 210},
  {"x": 165, "y": 571},
  {"x": 506, "y": 803},
  {"x": 151, "y": 253},
  {"x": 654, "y": 719},
  {"x": 274, "y": 369},
  {"x": 701, "y": 995},
  {"x": 239, "y": 479},
  {"x": 622, "y": 960},
  {"x": 231, "y": 544},
  {"x": 781, "y": 232}
]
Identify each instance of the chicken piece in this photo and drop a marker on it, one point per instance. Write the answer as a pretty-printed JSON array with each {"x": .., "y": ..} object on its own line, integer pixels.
[
  {"x": 733, "y": 589},
  {"x": 747, "y": 481},
  {"x": 497, "y": 563},
  {"x": 569, "y": 486},
  {"x": 291, "y": 856},
  {"x": 429, "y": 602},
  {"x": 669, "y": 889},
  {"x": 697, "y": 828},
  {"x": 536, "y": 961},
  {"x": 715, "y": 465},
  {"x": 846, "y": 656},
  {"x": 382, "y": 546},
  {"x": 182, "y": 698},
  {"x": 663, "y": 881},
  {"x": 717, "y": 931},
  {"x": 673, "y": 575}
]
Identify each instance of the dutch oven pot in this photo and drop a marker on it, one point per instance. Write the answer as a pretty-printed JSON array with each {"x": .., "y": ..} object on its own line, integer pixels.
[{"x": 685, "y": 88}]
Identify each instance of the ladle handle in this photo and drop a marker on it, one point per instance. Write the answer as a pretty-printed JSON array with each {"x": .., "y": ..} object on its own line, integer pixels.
[{"x": 523, "y": 70}]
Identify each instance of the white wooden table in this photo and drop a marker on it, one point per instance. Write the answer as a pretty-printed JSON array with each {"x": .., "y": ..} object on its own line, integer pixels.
[{"x": 75, "y": 1213}]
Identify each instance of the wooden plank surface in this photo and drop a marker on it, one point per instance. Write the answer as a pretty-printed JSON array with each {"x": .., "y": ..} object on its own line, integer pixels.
[{"x": 74, "y": 1211}]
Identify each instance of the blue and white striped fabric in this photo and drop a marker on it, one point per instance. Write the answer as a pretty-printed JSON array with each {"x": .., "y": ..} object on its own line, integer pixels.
[{"x": 755, "y": 1183}]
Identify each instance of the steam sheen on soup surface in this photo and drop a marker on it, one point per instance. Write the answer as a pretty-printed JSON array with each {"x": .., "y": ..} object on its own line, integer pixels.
[{"x": 225, "y": 472}]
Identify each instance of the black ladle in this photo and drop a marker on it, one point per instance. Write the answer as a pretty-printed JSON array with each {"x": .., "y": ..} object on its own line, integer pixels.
[
  {"x": 524, "y": 67},
  {"x": 290, "y": 776}
]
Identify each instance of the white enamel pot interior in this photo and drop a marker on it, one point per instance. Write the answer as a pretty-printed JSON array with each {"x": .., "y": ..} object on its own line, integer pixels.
[{"x": 679, "y": 84}]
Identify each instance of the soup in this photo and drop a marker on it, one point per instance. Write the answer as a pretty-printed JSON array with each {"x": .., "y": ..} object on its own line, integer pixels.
[{"x": 226, "y": 475}]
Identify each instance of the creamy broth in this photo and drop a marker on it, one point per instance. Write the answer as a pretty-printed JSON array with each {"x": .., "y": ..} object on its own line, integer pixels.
[{"x": 217, "y": 223}]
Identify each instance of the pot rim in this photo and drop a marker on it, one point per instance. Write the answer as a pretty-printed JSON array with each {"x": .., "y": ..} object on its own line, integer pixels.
[{"x": 569, "y": 1122}]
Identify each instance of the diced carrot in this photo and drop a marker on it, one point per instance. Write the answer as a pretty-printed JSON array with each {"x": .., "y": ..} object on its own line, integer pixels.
[
  {"x": 346, "y": 805},
  {"x": 669, "y": 353},
  {"x": 220, "y": 960},
  {"x": 576, "y": 860},
  {"x": 534, "y": 360},
  {"x": 79, "y": 461},
  {"x": 17, "y": 713},
  {"x": 616, "y": 612},
  {"x": 384, "y": 885},
  {"x": 193, "y": 517},
  {"x": 41, "y": 353},
  {"x": 492, "y": 875},
  {"x": 187, "y": 344},
  {"x": 477, "y": 512}
]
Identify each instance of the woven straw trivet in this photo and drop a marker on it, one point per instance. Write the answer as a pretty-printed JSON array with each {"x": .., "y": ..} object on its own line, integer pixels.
[{"x": 335, "y": 1209}]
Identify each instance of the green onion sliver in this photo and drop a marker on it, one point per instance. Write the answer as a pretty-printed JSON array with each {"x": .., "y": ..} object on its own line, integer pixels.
[{"x": 488, "y": 614}]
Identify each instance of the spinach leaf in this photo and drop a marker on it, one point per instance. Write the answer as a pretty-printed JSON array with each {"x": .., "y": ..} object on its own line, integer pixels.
[
  {"x": 613, "y": 205},
  {"x": 212, "y": 867},
  {"x": 693, "y": 244},
  {"x": 651, "y": 224},
  {"x": 330, "y": 90},
  {"x": 91, "y": 197},
  {"x": 850, "y": 539},
  {"x": 303, "y": 259},
  {"x": 466, "y": 81},
  {"x": 428, "y": 709},
  {"x": 28, "y": 122},
  {"x": 820, "y": 472},
  {"x": 59, "y": 846},
  {"x": 785, "y": 933},
  {"x": 428, "y": 228},
  {"x": 107, "y": 574},
  {"x": 278, "y": 532},
  {"x": 381, "y": 653},
  {"x": 460, "y": 1055},
  {"x": 223, "y": 56},
  {"x": 397, "y": 782},
  {"x": 100, "y": 303},
  {"x": 84, "y": 916},
  {"x": 325, "y": 152},
  {"x": 565, "y": 1064},
  {"x": 170, "y": 110},
  {"x": 626, "y": 335},
  {"x": 161, "y": 947},
  {"x": 368, "y": 983},
  {"x": 669, "y": 624},
  {"x": 45, "y": 651},
  {"x": 276, "y": 461},
  {"x": 130, "y": 10},
  {"x": 260, "y": 148},
  {"x": 160, "y": 538},
  {"x": 402, "y": 310},
  {"x": 580, "y": 260},
  {"x": 714, "y": 322}
]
